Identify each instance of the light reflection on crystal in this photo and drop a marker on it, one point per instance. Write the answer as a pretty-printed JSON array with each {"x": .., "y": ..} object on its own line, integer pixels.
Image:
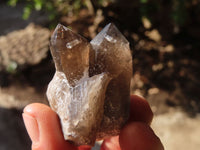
[
  {"x": 72, "y": 43},
  {"x": 110, "y": 39}
]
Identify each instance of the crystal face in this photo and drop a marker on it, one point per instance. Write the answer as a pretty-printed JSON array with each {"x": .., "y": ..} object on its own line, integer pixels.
[{"x": 91, "y": 86}]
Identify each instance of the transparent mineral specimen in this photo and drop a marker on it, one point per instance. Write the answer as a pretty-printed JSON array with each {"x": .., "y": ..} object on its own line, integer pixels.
[
  {"x": 112, "y": 55},
  {"x": 90, "y": 89}
]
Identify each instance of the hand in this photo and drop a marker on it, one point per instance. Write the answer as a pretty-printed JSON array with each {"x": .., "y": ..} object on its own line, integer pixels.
[{"x": 44, "y": 129}]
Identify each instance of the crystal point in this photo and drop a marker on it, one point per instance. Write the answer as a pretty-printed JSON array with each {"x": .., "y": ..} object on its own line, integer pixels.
[
  {"x": 90, "y": 89},
  {"x": 117, "y": 61},
  {"x": 70, "y": 52}
]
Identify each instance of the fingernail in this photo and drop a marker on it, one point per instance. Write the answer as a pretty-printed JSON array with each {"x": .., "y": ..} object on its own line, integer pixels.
[{"x": 31, "y": 127}]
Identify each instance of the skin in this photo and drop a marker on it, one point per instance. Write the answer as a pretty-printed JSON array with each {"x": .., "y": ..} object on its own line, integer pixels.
[{"x": 43, "y": 127}]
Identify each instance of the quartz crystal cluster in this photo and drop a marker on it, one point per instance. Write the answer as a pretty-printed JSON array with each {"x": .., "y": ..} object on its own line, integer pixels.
[{"x": 91, "y": 86}]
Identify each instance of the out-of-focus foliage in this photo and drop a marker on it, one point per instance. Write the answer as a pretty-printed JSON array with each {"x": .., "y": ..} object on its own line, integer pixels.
[
  {"x": 54, "y": 8},
  {"x": 12, "y": 67},
  {"x": 178, "y": 10}
]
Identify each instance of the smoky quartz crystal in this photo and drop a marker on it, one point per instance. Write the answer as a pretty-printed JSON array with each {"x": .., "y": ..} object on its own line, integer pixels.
[{"x": 91, "y": 86}]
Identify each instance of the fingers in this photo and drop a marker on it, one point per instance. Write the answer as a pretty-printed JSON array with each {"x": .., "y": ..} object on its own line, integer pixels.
[
  {"x": 139, "y": 136},
  {"x": 111, "y": 143},
  {"x": 84, "y": 147},
  {"x": 140, "y": 110},
  {"x": 44, "y": 129},
  {"x": 136, "y": 135}
]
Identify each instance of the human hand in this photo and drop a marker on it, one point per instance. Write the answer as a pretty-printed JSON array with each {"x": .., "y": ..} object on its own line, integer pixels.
[{"x": 44, "y": 129}]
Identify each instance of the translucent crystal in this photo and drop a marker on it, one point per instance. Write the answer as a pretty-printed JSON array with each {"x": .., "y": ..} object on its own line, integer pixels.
[
  {"x": 117, "y": 61},
  {"x": 70, "y": 52},
  {"x": 90, "y": 89}
]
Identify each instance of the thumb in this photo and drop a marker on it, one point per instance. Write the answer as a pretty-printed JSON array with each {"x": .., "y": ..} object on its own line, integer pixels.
[{"x": 44, "y": 129}]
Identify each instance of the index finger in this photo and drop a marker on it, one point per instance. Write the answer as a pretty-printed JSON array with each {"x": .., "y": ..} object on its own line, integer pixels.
[{"x": 140, "y": 110}]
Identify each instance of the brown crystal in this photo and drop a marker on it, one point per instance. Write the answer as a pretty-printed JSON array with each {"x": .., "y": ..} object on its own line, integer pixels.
[
  {"x": 70, "y": 52},
  {"x": 90, "y": 89},
  {"x": 113, "y": 56}
]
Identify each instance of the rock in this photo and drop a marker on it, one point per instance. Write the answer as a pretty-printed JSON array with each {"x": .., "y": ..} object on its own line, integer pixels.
[
  {"x": 23, "y": 47},
  {"x": 19, "y": 95},
  {"x": 91, "y": 87},
  {"x": 154, "y": 35}
]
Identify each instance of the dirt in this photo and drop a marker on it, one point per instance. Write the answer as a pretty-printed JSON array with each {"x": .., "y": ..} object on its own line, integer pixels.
[
  {"x": 13, "y": 133},
  {"x": 177, "y": 130}
]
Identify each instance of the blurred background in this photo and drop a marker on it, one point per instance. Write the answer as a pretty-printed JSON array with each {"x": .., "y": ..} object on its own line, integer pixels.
[{"x": 165, "y": 40}]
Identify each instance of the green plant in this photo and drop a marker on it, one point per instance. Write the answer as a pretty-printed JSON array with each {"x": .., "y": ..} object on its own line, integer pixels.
[
  {"x": 177, "y": 10},
  {"x": 12, "y": 67},
  {"x": 52, "y": 7}
]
